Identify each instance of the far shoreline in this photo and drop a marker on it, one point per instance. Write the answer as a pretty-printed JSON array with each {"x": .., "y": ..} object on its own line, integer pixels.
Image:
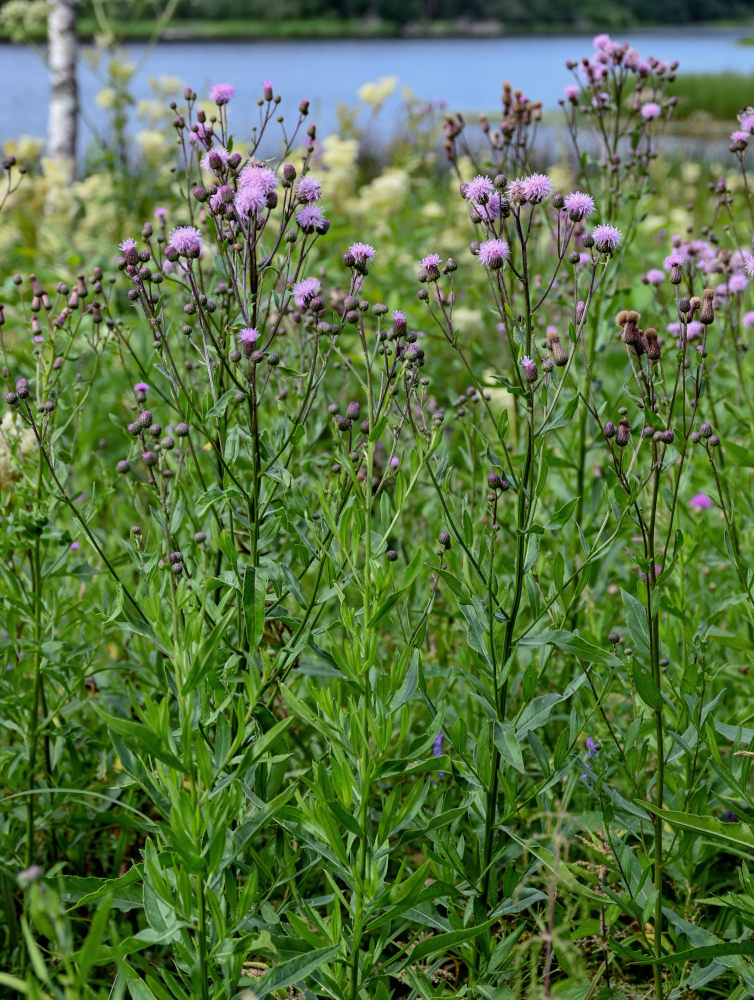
[{"x": 331, "y": 29}]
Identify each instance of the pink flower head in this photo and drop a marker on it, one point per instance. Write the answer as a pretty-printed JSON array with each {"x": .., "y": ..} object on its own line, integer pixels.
[
  {"x": 655, "y": 276},
  {"x": 516, "y": 190},
  {"x": 249, "y": 200},
  {"x": 747, "y": 123},
  {"x": 304, "y": 291},
  {"x": 215, "y": 158},
  {"x": 432, "y": 260},
  {"x": 537, "y": 188},
  {"x": 700, "y": 501},
  {"x": 737, "y": 282},
  {"x": 579, "y": 205},
  {"x": 187, "y": 241},
  {"x": 650, "y": 110},
  {"x": 141, "y": 387},
  {"x": 489, "y": 210},
  {"x": 694, "y": 330},
  {"x": 127, "y": 246},
  {"x": 248, "y": 337},
  {"x": 362, "y": 253},
  {"x": 740, "y": 138},
  {"x": 308, "y": 190},
  {"x": 480, "y": 189},
  {"x": 221, "y": 93},
  {"x": 607, "y": 238},
  {"x": 658, "y": 570},
  {"x": 675, "y": 259},
  {"x": 261, "y": 178},
  {"x": 493, "y": 253},
  {"x": 749, "y": 264},
  {"x": 572, "y": 91},
  {"x": 311, "y": 219},
  {"x": 160, "y": 213},
  {"x": 748, "y": 320},
  {"x": 267, "y": 90},
  {"x": 530, "y": 369},
  {"x": 602, "y": 41}
]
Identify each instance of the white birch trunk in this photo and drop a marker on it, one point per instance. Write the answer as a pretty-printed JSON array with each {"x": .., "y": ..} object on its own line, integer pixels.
[{"x": 63, "y": 117}]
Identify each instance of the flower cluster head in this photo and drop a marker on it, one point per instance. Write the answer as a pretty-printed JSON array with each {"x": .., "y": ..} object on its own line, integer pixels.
[
  {"x": 186, "y": 241},
  {"x": 607, "y": 238},
  {"x": 654, "y": 276},
  {"x": 248, "y": 336},
  {"x": 311, "y": 219},
  {"x": 536, "y": 188},
  {"x": 530, "y": 369},
  {"x": 700, "y": 501},
  {"x": 304, "y": 291},
  {"x": 479, "y": 190},
  {"x": 221, "y": 93},
  {"x": 308, "y": 190},
  {"x": 650, "y": 111},
  {"x": 749, "y": 264},
  {"x": 430, "y": 265},
  {"x": 129, "y": 250},
  {"x": 362, "y": 254},
  {"x": 493, "y": 253},
  {"x": 579, "y": 205}
]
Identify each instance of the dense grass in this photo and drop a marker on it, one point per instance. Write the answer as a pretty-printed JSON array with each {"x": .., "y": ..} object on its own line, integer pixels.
[{"x": 716, "y": 95}]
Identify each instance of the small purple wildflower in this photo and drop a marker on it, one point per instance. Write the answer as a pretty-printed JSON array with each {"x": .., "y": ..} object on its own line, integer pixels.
[
  {"x": 493, "y": 253},
  {"x": 579, "y": 205},
  {"x": 308, "y": 190},
  {"x": 311, "y": 218},
  {"x": 248, "y": 337},
  {"x": 700, "y": 501},
  {"x": 431, "y": 260},
  {"x": 160, "y": 212},
  {"x": 249, "y": 200},
  {"x": 650, "y": 110},
  {"x": 749, "y": 264},
  {"x": 737, "y": 282},
  {"x": 654, "y": 276},
  {"x": 75, "y": 546},
  {"x": 187, "y": 241},
  {"x": 221, "y": 93},
  {"x": 304, "y": 291},
  {"x": 748, "y": 320},
  {"x": 607, "y": 238},
  {"x": 537, "y": 188},
  {"x": 572, "y": 91},
  {"x": 261, "y": 178},
  {"x": 141, "y": 387},
  {"x": 127, "y": 247},
  {"x": 530, "y": 369},
  {"x": 362, "y": 253},
  {"x": 480, "y": 189},
  {"x": 437, "y": 750}
]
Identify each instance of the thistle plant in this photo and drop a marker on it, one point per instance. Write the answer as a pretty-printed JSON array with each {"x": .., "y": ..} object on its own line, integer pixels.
[{"x": 353, "y": 652}]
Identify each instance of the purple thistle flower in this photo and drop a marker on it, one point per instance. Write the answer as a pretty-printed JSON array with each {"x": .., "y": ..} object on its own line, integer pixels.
[
  {"x": 480, "y": 189},
  {"x": 362, "y": 253},
  {"x": 221, "y": 93},
  {"x": 572, "y": 91},
  {"x": 655, "y": 276},
  {"x": 737, "y": 282},
  {"x": 249, "y": 200},
  {"x": 650, "y": 110},
  {"x": 747, "y": 123},
  {"x": 579, "y": 205},
  {"x": 248, "y": 337},
  {"x": 749, "y": 264},
  {"x": 700, "y": 501},
  {"x": 493, "y": 253},
  {"x": 748, "y": 320},
  {"x": 311, "y": 218},
  {"x": 75, "y": 546},
  {"x": 537, "y": 188},
  {"x": 160, "y": 212},
  {"x": 261, "y": 178},
  {"x": 431, "y": 260},
  {"x": 489, "y": 210},
  {"x": 127, "y": 246},
  {"x": 530, "y": 369},
  {"x": 607, "y": 238},
  {"x": 308, "y": 190},
  {"x": 215, "y": 158},
  {"x": 516, "y": 191},
  {"x": 187, "y": 241},
  {"x": 740, "y": 138},
  {"x": 304, "y": 291}
]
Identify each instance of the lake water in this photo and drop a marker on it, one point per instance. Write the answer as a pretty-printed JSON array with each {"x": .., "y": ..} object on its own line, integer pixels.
[{"x": 467, "y": 73}]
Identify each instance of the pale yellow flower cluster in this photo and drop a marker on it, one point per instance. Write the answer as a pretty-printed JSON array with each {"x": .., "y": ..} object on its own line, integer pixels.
[
  {"x": 377, "y": 93},
  {"x": 16, "y": 441}
]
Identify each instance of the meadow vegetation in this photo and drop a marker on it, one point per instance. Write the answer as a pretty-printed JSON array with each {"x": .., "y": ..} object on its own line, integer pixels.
[{"x": 376, "y": 610}]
